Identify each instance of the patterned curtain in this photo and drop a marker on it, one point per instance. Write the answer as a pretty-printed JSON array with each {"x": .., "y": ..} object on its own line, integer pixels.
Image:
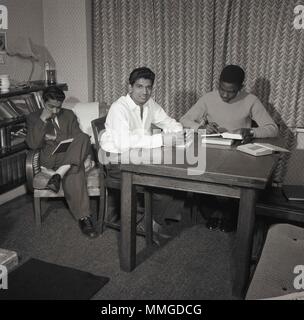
[{"x": 187, "y": 43}]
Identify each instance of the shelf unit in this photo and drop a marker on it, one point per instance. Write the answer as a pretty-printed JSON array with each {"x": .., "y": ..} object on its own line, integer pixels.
[{"x": 14, "y": 106}]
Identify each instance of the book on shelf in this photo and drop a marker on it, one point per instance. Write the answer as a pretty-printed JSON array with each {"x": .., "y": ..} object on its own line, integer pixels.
[
  {"x": 260, "y": 149},
  {"x": 25, "y": 104},
  {"x": 6, "y": 112},
  {"x": 63, "y": 146},
  {"x": 294, "y": 192},
  {"x": 3, "y": 137},
  {"x": 21, "y": 105},
  {"x": 14, "y": 108},
  {"x": 38, "y": 98}
]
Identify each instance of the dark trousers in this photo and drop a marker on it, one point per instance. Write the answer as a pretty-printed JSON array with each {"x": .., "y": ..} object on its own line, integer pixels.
[
  {"x": 161, "y": 199},
  {"x": 74, "y": 182},
  {"x": 215, "y": 207}
]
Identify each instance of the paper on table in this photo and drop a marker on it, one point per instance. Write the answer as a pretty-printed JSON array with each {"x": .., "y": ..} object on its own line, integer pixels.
[{"x": 271, "y": 147}]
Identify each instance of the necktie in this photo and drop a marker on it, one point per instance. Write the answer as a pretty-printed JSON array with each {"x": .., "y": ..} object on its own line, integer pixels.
[{"x": 56, "y": 127}]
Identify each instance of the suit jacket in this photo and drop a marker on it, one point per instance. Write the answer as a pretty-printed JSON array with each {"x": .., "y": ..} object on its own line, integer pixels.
[{"x": 37, "y": 129}]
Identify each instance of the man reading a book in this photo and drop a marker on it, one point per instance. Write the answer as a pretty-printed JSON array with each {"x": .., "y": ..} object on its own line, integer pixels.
[
  {"x": 46, "y": 129},
  {"x": 230, "y": 109}
]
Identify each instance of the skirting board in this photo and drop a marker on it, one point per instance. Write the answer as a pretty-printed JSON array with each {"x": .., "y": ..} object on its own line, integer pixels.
[{"x": 12, "y": 194}]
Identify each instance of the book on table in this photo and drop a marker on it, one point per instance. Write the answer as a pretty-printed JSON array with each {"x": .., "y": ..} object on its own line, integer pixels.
[
  {"x": 225, "y": 138},
  {"x": 224, "y": 135},
  {"x": 260, "y": 149},
  {"x": 217, "y": 140},
  {"x": 63, "y": 146}
]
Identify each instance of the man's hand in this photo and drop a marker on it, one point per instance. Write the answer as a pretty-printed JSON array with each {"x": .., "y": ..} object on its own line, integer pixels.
[
  {"x": 49, "y": 137},
  {"x": 171, "y": 139},
  {"x": 212, "y": 127},
  {"x": 46, "y": 114},
  {"x": 89, "y": 163},
  {"x": 247, "y": 135}
]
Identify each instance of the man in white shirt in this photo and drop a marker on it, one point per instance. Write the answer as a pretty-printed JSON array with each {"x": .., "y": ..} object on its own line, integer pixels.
[
  {"x": 130, "y": 118},
  {"x": 129, "y": 122}
]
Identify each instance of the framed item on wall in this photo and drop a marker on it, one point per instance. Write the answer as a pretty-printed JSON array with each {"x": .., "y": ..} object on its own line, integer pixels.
[{"x": 3, "y": 44}]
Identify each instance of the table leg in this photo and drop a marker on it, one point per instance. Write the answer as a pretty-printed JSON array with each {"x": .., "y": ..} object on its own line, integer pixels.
[
  {"x": 128, "y": 223},
  {"x": 244, "y": 238},
  {"x": 148, "y": 218}
]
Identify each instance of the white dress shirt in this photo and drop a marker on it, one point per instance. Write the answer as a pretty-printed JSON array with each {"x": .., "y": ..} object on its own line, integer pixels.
[{"x": 126, "y": 129}]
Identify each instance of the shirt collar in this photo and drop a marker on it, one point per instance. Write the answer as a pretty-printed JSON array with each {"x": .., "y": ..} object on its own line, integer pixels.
[{"x": 133, "y": 105}]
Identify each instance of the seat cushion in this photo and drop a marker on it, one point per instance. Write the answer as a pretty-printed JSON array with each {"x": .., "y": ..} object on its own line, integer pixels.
[
  {"x": 274, "y": 275},
  {"x": 41, "y": 179}
]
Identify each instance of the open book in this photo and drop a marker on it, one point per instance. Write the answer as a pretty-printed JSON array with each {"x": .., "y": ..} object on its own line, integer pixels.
[
  {"x": 218, "y": 140},
  {"x": 260, "y": 149},
  {"x": 63, "y": 146},
  {"x": 225, "y": 138},
  {"x": 225, "y": 135}
]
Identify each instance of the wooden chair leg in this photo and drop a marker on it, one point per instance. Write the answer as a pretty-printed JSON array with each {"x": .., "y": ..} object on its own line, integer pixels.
[
  {"x": 37, "y": 212},
  {"x": 103, "y": 206},
  {"x": 148, "y": 218}
]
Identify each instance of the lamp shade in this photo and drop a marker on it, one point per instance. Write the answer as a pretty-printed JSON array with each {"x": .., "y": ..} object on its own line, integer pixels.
[{"x": 22, "y": 48}]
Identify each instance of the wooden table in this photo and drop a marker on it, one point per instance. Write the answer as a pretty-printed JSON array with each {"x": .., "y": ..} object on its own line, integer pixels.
[{"x": 228, "y": 173}]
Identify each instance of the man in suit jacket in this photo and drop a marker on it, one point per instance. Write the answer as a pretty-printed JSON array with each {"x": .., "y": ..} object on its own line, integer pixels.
[{"x": 46, "y": 128}]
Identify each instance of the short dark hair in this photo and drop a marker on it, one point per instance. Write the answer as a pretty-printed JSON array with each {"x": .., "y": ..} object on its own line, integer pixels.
[
  {"x": 53, "y": 93},
  {"x": 233, "y": 74},
  {"x": 140, "y": 73}
]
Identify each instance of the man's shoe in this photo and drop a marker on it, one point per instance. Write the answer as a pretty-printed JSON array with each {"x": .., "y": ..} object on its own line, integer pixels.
[
  {"x": 160, "y": 230},
  {"x": 227, "y": 225},
  {"x": 87, "y": 227},
  {"x": 212, "y": 223},
  {"x": 54, "y": 183}
]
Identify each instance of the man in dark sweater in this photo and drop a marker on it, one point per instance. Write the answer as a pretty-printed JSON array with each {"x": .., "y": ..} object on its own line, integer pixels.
[
  {"x": 46, "y": 128},
  {"x": 228, "y": 109}
]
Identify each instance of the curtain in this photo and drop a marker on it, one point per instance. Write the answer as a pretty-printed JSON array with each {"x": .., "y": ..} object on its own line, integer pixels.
[{"x": 188, "y": 42}]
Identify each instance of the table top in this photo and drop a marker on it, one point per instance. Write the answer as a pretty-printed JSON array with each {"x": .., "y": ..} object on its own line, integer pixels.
[{"x": 223, "y": 164}]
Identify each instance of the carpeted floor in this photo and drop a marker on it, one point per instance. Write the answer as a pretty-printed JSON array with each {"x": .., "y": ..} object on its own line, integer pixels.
[{"x": 194, "y": 264}]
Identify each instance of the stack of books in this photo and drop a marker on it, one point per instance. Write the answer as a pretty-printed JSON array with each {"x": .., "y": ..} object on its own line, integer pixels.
[
  {"x": 225, "y": 138},
  {"x": 19, "y": 106}
]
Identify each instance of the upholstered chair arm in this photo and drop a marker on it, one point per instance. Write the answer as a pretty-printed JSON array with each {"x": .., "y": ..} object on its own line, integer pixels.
[{"x": 32, "y": 167}]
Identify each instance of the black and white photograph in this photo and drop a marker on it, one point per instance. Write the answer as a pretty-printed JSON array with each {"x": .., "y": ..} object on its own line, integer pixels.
[
  {"x": 2, "y": 41},
  {"x": 182, "y": 181}
]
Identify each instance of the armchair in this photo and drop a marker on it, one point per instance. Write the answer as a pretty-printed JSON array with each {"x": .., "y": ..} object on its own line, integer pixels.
[{"x": 37, "y": 178}]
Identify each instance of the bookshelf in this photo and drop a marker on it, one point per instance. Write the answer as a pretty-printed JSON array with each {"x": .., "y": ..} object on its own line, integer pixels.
[{"x": 14, "y": 106}]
